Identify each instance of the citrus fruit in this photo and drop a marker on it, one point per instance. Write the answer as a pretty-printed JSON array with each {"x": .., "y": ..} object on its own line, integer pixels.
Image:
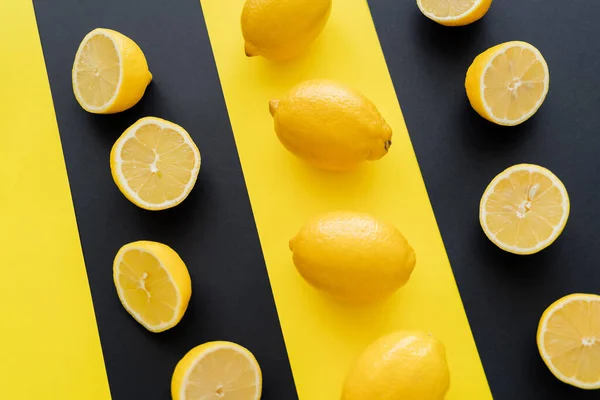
[
  {"x": 110, "y": 72},
  {"x": 330, "y": 125},
  {"x": 508, "y": 83},
  {"x": 454, "y": 12},
  {"x": 281, "y": 30},
  {"x": 153, "y": 284},
  {"x": 353, "y": 257},
  {"x": 524, "y": 209},
  {"x": 155, "y": 163},
  {"x": 568, "y": 339},
  {"x": 406, "y": 365},
  {"x": 217, "y": 370}
]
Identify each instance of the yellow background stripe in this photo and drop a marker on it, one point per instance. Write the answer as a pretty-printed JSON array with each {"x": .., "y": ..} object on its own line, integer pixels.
[
  {"x": 323, "y": 338},
  {"x": 49, "y": 344}
]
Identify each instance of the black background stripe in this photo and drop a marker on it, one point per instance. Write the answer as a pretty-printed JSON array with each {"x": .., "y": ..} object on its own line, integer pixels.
[
  {"x": 459, "y": 154},
  {"x": 213, "y": 230}
]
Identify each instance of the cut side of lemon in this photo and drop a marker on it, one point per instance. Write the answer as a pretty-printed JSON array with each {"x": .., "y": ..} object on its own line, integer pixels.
[
  {"x": 524, "y": 209},
  {"x": 568, "y": 339},
  {"x": 110, "y": 73},
  {"x": 508, "y": 83},
  {"x": 217, "y": 371},
  {"x": 155, "y": 163},
  {"x": 153, "y": 284},
  {"x": 454, "y": 12}
]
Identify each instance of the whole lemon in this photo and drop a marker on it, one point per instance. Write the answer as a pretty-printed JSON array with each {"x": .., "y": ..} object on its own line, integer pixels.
[
  {"x": 282, "y": 29},
  {"x": 330, "y": 125},
  {"x": 353, "y": 257},
  {"x": 407, "y": 365}
]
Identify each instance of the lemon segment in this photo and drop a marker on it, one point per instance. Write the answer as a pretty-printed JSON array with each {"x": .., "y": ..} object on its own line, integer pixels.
[
  {"x": 153, "y": 284},
  {"x": 110, "y": 73},
  {"x": 568, "y": 339},
  {"x": 217, "y": 370},
  {"x": 454, "y": 12},
  {"x": 405, "y": 365},
  {"x": 281, "y": 30},
  {"x": 155, "y": 163},
  {"x": 508, "y": 83},
  {"x": 524, "y": 209},
  {"x": 353, "y": 257}
]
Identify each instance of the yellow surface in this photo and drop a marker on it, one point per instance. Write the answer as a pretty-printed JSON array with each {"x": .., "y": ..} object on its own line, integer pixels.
[
  {"x": 49, "y": 345},
  {"x": 323, "y": 338}
]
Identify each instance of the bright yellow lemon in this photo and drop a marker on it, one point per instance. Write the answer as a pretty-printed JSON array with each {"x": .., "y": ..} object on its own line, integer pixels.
[
  {"x": 508, "y": 83},
  {"x": 353, "y": 257},
  {"x": 155, "y": 163},
  {"x": 406, "y": 365},
  {"x": 153, "y": 284},
  {"x": 524, "y": 209},
  {"x": 282, "y": 29},
  {"x": 568, "y": 339},
  {"x": 110, "y": 73},
  {"x": 330, "y": 125},
  {"x": 217, "y": 370},
  {"x": 454, "y": 12}
]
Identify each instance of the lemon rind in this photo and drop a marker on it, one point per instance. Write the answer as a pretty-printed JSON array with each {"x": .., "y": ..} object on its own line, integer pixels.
[
  {"x": 117, "y": 269},
  {"x": 504, "y": 47},
  {"x": 84, "y": 104},
  {"x": 542, "y": 327},
  {"x": 557, "y": 230},
  {"x": 123, "y": 184},
  {"x": 219, "y": 346}
]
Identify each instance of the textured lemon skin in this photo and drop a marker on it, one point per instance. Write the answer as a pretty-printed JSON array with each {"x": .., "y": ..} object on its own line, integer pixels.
[
  {"x": 474, "y": 14},
  {"x": 282, "y": 29},
  {"x": 135, "y": 76},
  {"x": 474, "y": 82},
  {"x": 540, "y": 340},
  {"x": 353, "y": 257},
  {"x": 188, "y": 361},
  {"x": 330, "y": 125},
  {"x": 177, "y": 269},
  {"x": 405, "y": 365}
]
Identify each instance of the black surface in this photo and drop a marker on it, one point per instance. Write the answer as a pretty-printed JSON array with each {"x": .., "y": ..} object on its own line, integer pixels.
[
  {"x": 213, "y": 230},
  {"x": 459, "y": 154}
]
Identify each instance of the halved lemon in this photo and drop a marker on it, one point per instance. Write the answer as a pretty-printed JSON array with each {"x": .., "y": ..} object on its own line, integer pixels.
[
  {"x": 454, "y": 12},
  {"x": 524, "y": 209},
  {"x": 110, "y": 73},
  {"x": 217, "y": 370},
  {"x": 508, "y": 83},
  {"x": 153, "y": 284},
  {"x": 568, "y": 339},
  {"x": 155, "y": 163}
]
